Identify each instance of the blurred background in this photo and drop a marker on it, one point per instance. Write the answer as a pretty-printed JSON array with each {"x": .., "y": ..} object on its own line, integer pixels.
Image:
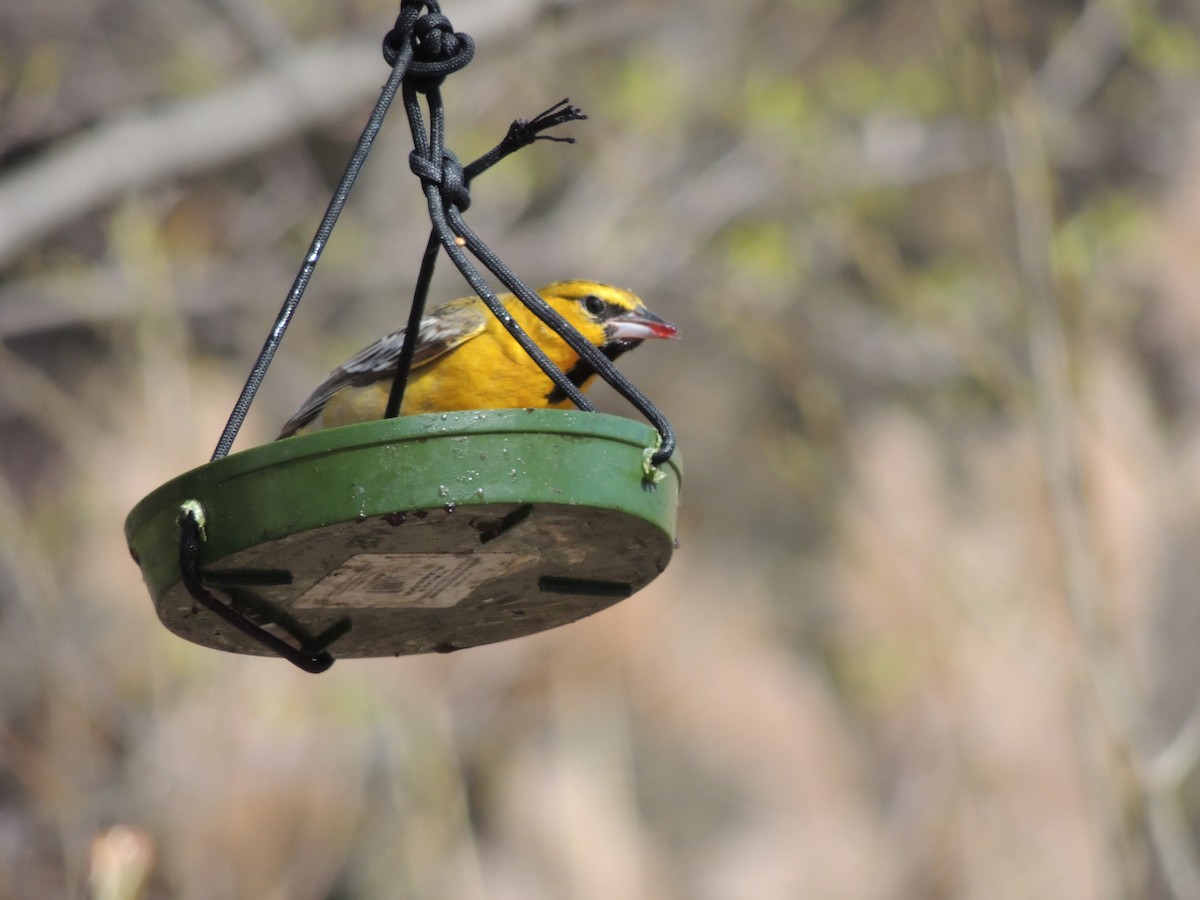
[{"x": 931, "y": 629}]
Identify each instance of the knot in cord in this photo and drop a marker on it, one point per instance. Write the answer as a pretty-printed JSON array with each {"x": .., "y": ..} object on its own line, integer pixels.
[
  {"x": 438, "y": 49},
  {"x": 449, "y": 177}
]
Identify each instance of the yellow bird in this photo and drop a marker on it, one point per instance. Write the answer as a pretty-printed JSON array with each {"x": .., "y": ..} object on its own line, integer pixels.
[{"x": 465, "y": 359}]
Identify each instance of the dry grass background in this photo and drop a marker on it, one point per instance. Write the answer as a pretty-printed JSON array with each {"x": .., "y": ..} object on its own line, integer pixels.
[{"x": 931, "y": 630}]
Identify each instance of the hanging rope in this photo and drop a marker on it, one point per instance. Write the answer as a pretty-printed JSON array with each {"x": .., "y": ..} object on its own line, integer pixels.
[
  {"x": 311, "y": 656},
  {"x": 336, "y": 204},
  {"x": 447, "y": 192},
  {"x": 422, "y": 49}
]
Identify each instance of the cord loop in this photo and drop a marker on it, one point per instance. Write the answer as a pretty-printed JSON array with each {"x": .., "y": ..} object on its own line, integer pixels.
[
  {"x": 437, "y": 49},
  {"x": 449, "y": 177},
  {"x": 422, "y": 48}
]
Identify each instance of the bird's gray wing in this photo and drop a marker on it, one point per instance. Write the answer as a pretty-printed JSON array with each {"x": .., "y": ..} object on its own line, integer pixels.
[{"x": 442, "y": 330}]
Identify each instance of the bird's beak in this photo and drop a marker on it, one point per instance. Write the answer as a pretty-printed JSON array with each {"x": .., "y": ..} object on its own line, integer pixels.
[{"x": 639, "y": 325}]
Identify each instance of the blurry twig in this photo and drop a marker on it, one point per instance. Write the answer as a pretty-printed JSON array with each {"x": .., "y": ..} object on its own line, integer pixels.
[
  {"x": 1084, "y": 56},
  {"x": 143, "y": 147},
  {"x": 257, "y": 25},
  {"x": 97, "y": 295},
  {"x": 71, "y": 423},
  {"x": 1055, "y": 416},
  {"x": 1055, "y": 405},
  {"x": 1074, "y": 69},
  {"x": 1174, "y": 841},
  {"x": 1174, "y": 762},
  {"x": 1107, "y": 672},
  {"x": 1164, "y": 777}
]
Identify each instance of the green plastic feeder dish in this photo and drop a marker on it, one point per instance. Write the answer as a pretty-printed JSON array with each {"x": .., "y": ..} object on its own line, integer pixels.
[{"x": 415, "y": 534}]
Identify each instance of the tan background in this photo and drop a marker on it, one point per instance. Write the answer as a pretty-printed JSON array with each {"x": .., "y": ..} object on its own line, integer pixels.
[{"x": 931, "y": 630}]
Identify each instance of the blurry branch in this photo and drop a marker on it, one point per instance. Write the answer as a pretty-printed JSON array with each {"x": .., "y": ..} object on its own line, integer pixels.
[
  {"x": 25, "y": 389},
  {"x": 1173, "y": 838},
  {"x": 1086, "y": 54},
  {"x": 685, "y": 208},
  {"x": 160, "y": 343},
  {"x": 1073, "y": 71},
  {"x": 1156, "y": 782},
  {"x": 100, "y": 295},
  {"x": 1165, "y": 775},
  {"x": 1054, "y": 408},
  {"x": 1174, "y": 762},
  {"x": 259, "y": 27},
  {"x": 301, "y": 87},
  {"x": 141, "y": 148},
  {"x": 889, "y": 151}
]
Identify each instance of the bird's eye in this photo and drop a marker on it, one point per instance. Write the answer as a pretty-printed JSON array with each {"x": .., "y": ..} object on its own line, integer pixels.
[{"x": 593, "y": 304}]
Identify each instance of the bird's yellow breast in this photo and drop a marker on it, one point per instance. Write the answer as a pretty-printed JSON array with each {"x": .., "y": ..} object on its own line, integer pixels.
[
  {"x": 489, "y": 371},
  {"x": 466, "y": 359}
]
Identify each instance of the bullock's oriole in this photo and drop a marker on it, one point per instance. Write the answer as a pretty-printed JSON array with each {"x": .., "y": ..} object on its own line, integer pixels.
[{"x": 465, "y": 359}]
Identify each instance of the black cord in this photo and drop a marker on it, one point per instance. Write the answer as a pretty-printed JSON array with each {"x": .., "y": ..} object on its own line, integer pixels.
[
  {"x": 189, "y": 571},
  {"x": 587, "y": 351},
  {"x": 522, "y": 133},
  {"x": 422, "y": 50},
  {"x": 444, "y": 184},
  {"x": 447, "y": 191},
  {"x": 413, "y": 331},
  {"x": 400, "y": 68}
]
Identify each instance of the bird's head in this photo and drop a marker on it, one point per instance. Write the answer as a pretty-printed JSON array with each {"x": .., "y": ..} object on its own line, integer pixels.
[{"x": 612, "y": 318}]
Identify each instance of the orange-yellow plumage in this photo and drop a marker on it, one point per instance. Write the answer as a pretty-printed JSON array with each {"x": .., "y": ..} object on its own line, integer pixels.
[{"x": 466, "y": 359}]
